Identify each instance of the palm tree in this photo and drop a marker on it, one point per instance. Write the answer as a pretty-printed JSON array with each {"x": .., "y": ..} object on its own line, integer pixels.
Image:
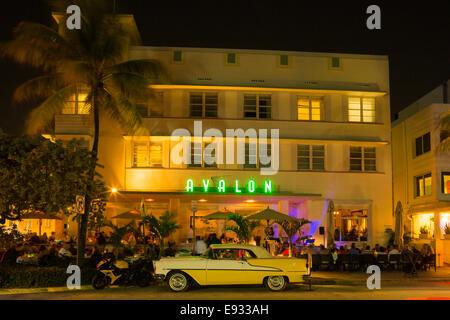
[
  {"x": 119, "y": 233},
  {"x": 444, "y": 125},
  {"x": 292, "y": 228},
  {"x": 92, "y": 59},
  {"x": 243, "y": 227},
  {"x": 162, "y": 227}
]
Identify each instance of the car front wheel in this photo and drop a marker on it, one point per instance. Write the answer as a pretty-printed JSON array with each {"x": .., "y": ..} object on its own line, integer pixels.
[
  {"x": 276, "y": 283},
  {"x": 178, "y": 281}
]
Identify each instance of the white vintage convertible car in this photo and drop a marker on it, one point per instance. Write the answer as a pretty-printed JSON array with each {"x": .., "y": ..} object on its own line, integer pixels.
[{"x": 228, "y": 264}]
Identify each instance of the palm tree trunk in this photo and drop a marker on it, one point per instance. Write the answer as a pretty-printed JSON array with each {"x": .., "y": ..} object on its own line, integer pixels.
[{"x": 82, "y": 227}]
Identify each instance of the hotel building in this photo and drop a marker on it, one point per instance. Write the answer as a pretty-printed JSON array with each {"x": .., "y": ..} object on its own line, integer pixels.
[
  {"x": 333, "y": 115},
  {"x": 421, "y": 173}
]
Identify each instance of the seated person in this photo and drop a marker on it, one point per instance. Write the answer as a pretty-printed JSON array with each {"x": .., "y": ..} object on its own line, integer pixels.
[
  {"x": 353, "y": 249},
  {"x": 343, "y": 250},
  {"x": 367, "y": 250},
  {"x": 394, "y": 250},
  {"x": 64, "y": 250}
]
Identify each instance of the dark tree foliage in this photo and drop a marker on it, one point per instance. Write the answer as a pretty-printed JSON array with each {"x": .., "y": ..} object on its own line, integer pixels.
[{"x": 39, "y": 175}]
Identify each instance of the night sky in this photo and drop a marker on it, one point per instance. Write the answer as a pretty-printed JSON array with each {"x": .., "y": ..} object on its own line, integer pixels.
[{"x": 415, "y": 35}]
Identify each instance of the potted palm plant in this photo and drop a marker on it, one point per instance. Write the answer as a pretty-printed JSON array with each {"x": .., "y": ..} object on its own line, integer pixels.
[
  {"x": 447, "y": 232},
  {"x": 423, "y": 233}
]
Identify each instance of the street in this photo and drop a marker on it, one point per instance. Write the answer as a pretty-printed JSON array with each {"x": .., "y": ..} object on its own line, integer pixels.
[{"x": 389, "y": 291}]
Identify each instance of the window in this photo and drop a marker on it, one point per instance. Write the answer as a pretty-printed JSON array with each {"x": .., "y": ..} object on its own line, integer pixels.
[
  {"x": 361, "y": 109},
  {"x": 47, "y": 223},
  {"x": 251, "y": 155},
  {"x": 310, "y": 157},
  {"x": 197, "y": 150},
  {"x": 283, "y": 60},
  {"x": 154, "y": 108},
  {"x": 269, "y": 155},
  {"x": 196, "y": 155},
  {"x": 203, "y": 105},
  {"x": 446, "y": 182},
  {"x": 335, "y": 63},
  {"x": 423, "y": 185},
  {"x": 363, "y": 159},
  {"x": 423, "y": 144},
  {"x": 231, "y": 59},
  {"x": 258, "y": 106},
  {"x": 77, "y": 104},
  {"x": 232, "y": 254},
  {"x": 423, "y": 225},
  {"x": 177, "y": 56},
  {"x": 350, "y": 225},
  {"x": 308, "y": 108},
  {"x": 147, "y": 154},
  {"x": 252, "y": 158}
]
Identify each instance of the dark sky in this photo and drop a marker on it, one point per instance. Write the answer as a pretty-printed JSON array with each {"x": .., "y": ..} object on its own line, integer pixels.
[{"x": 415, "y": 35}]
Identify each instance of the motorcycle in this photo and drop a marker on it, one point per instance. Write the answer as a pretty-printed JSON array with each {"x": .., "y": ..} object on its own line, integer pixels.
[{"x": 119, "y": 272}]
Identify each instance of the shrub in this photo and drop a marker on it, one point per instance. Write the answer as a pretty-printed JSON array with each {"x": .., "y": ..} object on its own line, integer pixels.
[{"x": 39, "y": 277}]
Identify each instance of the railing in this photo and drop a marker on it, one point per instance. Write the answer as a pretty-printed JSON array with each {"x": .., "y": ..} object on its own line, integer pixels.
[{"x": 72, "y": 124}]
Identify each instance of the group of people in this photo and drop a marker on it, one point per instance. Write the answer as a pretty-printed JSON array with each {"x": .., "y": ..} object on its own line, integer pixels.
[{"x": 421, "y": 257}]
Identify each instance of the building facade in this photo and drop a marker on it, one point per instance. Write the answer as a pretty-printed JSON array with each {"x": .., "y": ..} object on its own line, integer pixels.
[
  {"x": 421, "y": 173},
  {"x": 332, "y": 114}
]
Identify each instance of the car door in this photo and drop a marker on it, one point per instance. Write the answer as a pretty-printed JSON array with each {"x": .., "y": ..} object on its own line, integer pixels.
[{"x": 225, "y": 268}]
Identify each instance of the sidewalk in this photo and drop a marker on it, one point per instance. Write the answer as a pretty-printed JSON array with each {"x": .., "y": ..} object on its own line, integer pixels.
[{"x": 360, "y": 277}]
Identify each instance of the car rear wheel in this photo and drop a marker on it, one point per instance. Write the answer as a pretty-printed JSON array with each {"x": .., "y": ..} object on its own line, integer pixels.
[
  {"x": 276, "y": 283},
  {"x": 178, "y": 281}
]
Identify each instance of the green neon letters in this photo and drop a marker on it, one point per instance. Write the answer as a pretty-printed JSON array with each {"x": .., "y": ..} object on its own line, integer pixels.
[
  {"x": 221, "y": 187},
  {"x": 205, "y": 185},
  {"x": 251, "y": 186},
  {"x": 190, "y": 185}
]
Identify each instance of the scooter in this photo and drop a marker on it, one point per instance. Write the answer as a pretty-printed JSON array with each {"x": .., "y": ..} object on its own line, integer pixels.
[{"x": 118, "y": 272}]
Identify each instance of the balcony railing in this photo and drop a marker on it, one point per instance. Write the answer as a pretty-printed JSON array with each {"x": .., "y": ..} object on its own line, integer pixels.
[{"x": 73, "y": 124}]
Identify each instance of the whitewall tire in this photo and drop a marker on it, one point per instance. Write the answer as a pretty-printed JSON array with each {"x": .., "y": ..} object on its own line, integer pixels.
[
  {"x": 276, "y": 283},
  {"x": 178, "y": 281}
]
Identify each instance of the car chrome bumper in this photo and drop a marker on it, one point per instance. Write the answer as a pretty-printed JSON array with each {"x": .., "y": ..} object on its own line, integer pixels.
[{"x": 159, "y": 277}]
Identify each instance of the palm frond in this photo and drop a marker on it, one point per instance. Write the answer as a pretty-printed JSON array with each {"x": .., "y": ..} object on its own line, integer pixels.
[
  {"x": 134, "y": 87},
  {"x": 39, "y": 87},
  {"x": 148, "y": 68},
  {"x": 44, "y": 114},
  {"x": 124, "y": 112},
  {"x": 77, "y": 71},
  {"x": 37, "y": 45}
]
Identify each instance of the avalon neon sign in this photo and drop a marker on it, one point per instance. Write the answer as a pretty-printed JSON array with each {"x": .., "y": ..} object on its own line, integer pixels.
[{"x": 233, "y": 187}]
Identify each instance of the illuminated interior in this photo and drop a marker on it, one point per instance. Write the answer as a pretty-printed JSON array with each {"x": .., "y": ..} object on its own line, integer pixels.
[
  {"x": 423, "y": 222},
  {"x": 444, "y": 221},
  {"x": 350, "y": 225}
]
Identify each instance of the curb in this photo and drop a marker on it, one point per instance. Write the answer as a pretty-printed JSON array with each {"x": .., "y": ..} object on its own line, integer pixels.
[
  {"x": 363, "y": 281},
  {"x": 41, "y": 290}
]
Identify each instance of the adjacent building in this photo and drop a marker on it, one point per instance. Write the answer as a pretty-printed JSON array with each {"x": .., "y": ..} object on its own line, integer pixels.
[{"x": 421, "y": 174}]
